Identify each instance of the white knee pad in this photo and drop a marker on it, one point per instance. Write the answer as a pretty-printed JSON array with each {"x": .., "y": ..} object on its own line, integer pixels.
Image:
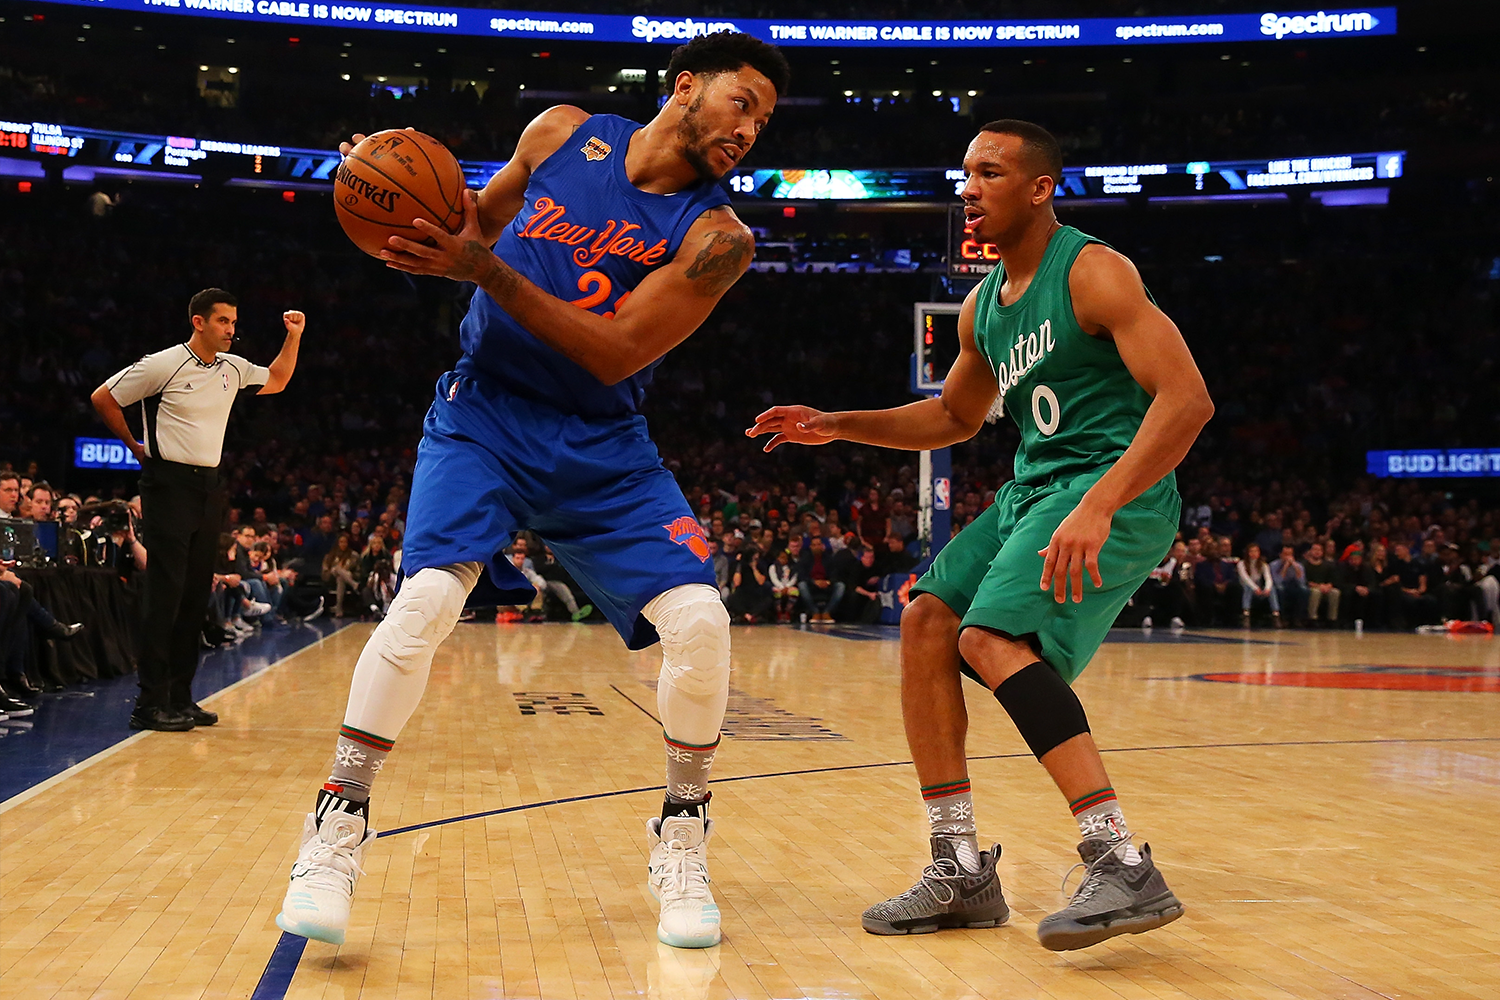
[
  {"x": 424, "y": 614},
  {"x": 694, "y": 630}
]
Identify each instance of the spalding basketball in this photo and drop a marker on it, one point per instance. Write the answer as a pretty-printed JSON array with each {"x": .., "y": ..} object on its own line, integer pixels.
[{"x": 393, "y": 178}]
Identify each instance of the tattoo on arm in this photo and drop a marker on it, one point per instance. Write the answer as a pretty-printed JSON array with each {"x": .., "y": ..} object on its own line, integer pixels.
[
  {"x": 479, "y": 265},
  {"x": 721, "y": 261}
]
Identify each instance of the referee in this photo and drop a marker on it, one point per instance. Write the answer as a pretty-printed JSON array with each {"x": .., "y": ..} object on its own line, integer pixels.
[{"x": 185, "y": 393}]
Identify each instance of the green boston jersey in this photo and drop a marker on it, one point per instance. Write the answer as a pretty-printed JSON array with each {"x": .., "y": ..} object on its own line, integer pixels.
[{"x": 1075, "y": 402}]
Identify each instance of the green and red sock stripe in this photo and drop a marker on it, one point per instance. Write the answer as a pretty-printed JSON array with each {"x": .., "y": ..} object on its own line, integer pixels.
[
  {"x": 689, "y": 746},
  {"x": 1091, "y": 800},
  {"x": 945, "y": 789},
  {"x": 366, "y": 739}
]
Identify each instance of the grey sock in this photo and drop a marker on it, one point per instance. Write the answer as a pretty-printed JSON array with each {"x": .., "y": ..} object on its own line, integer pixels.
[
  {"x": 687, "y": 769},
  {"x": 952, "y": 818},
  {"x": 1106, "y": 822},
  {"x": 358, "y": 757}
]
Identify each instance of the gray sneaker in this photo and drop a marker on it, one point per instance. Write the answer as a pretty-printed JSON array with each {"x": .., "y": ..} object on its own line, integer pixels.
[
  {"x": 1114, "y": 898},
  {"x": 945, "y": 896}
]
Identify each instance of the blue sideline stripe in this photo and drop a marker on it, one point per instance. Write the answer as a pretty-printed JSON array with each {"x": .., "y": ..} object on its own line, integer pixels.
[
  {"x": 73, "y": 725},
  {"x": 277, "y": 978}
]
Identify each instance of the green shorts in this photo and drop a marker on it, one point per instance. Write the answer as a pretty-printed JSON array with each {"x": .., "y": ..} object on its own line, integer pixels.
[{"x": 990, "y": 575}]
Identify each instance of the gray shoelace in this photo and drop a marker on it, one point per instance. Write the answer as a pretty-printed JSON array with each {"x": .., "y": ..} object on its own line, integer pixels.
[
  {"x": 935, "y": 877},
  {"x": 1092, "y": 880}
]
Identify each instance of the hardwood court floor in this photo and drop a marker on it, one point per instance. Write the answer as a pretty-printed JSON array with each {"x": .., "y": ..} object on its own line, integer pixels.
[{"x": 1328, "y": 842}]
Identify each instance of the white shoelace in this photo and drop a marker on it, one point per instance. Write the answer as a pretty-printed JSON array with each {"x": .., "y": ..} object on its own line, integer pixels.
[
  {"x": 683, "y": 871},
  {"x": 329, "y": 866}
]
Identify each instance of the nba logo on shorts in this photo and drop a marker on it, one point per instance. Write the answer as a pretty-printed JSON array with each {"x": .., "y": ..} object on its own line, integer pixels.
[
  {"x": 595, "y": 149},
  {"x": 687, "y": 531},
  {"x": 453, "y": 389}
]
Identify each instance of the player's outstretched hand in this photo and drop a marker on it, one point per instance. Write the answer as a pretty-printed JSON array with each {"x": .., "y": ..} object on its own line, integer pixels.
[
  {"x": 1074, "y": 548},
  {"x": 794, "y": 425},
  {"x": 462, "y": 256}
]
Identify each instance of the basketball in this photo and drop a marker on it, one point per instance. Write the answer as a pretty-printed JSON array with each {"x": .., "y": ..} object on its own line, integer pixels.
[{"x": 390, "y": 180}]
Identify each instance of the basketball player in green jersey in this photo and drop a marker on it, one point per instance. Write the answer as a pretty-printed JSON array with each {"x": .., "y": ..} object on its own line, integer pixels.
[{"x": 1065, "y": 338}]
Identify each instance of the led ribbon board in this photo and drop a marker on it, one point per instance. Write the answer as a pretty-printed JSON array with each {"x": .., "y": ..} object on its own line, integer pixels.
[
  {"x": 104, "y": 150},
  {"x": 1195, "y": 178},
  {"x": 1434, "y": 463},
  {"x": 128, "y": 152},
  {"x": 1287, "y": 27}
]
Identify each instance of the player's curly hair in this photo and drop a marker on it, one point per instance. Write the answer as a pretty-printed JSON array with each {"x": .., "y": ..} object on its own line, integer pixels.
[{"x": 727, "y": 51}]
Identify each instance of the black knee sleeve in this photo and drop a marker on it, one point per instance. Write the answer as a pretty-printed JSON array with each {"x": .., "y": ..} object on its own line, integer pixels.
[{"x": 1043, "y": 707}]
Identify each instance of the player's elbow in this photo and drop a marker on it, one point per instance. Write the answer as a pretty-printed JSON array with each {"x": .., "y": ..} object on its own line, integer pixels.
[
  {"x": 614, "y": 370},
  {"x": 101, "y": 398},
  {"x": 1203, "y": 406},
  {"x": 610, "y": 375}
]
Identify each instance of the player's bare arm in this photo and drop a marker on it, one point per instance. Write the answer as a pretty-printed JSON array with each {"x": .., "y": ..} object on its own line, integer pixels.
[
  {"x": 968, "y": 393},
  {"x": 286, "y": 361},
  {"x": 504, "y": 196},
  {"x": 1110, "y": 301},
  {"x": 662, "y": 311}
]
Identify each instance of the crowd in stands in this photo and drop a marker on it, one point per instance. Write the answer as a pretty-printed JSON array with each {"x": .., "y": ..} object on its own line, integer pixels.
[{"x": 1320, "y": 332}]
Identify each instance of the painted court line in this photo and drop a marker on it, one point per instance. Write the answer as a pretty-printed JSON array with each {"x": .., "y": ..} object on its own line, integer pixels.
[
  {"x": 282, "y": 965},
  {"x": 110, "y": 751}
]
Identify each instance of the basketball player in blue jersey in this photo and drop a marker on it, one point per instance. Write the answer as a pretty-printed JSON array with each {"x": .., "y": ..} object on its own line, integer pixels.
[{"x": 615, "y": 241}]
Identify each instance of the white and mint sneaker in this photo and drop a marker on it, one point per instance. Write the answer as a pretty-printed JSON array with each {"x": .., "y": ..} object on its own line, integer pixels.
[
  {"x": 679, "y": 881},
  {"x": 322, "y": 888}
]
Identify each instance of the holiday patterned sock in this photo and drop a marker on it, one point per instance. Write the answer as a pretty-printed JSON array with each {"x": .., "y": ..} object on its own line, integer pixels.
[
  {"x": 1099, "y": 818},
  {"x": 358, "y": 757},
  {"x": 950, "y": 813},
  {"x": 687, "y": 769}
]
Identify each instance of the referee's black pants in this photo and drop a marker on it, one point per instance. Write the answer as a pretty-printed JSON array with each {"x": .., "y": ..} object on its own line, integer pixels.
[{"x": 183, "y": 507}]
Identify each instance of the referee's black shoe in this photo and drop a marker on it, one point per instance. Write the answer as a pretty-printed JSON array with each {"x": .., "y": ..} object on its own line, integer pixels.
[
  {"x": 200, "y": 715},
  {"x": 166, "y": 720},
  {"x": 14, "y": 707},
  {"x": 19, "y": 686}
]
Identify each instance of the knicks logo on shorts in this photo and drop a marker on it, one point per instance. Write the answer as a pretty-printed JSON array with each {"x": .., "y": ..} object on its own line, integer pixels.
[
  {"x": 687, "y": 531},
  {"x": 595, "y": 149}
]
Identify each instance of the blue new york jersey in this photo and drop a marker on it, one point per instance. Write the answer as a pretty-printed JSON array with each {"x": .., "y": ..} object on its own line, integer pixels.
[
  {"x": 588, "y": 236},
  {"x": 519, "y": 437}
]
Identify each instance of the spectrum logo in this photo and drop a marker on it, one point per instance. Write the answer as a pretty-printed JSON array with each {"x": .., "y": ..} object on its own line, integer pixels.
[
  {"x": 1280, "y": 25},
  {"x": 653, "y": 28}
]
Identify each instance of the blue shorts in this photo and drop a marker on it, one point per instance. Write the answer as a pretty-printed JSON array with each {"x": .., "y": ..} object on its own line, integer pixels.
[{"x": 492, "y": 463}]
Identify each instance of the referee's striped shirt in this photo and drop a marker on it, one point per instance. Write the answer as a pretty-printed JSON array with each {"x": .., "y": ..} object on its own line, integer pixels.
[{"x": 185, "y": 403}]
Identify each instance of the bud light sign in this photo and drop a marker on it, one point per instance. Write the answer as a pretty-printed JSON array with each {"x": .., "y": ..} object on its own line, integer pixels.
[
  {"x": 1434, "y": 462},
  {"x": 102, "y": 453}
]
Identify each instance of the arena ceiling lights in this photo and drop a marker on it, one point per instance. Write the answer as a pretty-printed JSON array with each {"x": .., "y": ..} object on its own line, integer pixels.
[{"x": 1271, "y": 26}]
